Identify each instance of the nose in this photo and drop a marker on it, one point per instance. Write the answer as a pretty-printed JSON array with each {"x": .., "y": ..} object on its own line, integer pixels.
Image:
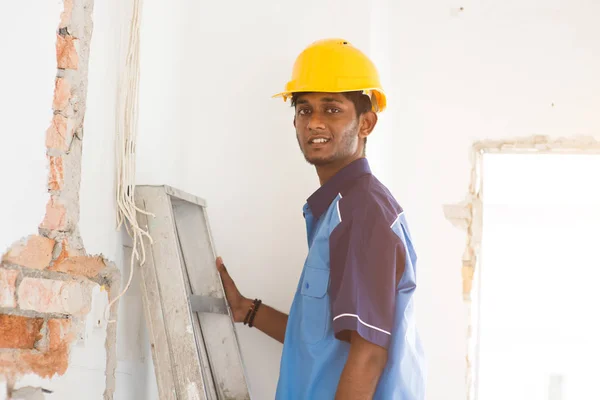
[{"x": 315, "y": 122}]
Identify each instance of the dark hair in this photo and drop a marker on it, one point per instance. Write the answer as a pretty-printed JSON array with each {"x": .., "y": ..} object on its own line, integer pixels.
[{"x": 362, "y": 104}]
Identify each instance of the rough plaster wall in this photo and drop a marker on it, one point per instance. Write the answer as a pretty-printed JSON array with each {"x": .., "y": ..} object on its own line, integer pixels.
[
  {"x": 48, "y": 280},
  {"x": 85, "y": 375}
]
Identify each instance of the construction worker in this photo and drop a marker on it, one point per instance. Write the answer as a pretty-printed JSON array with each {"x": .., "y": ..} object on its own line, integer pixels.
[{"x": 350, "y": 332}]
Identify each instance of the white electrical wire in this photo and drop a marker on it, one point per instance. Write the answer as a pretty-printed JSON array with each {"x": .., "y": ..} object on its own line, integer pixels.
[{"x": 126, "y": 134}]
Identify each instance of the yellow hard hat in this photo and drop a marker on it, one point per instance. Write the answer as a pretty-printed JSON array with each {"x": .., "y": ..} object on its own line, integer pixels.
[{"x": 335, "y": 66}]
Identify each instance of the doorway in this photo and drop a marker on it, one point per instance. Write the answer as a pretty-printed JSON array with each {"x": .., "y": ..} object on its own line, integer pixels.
[{"x": 538, "y": 282}]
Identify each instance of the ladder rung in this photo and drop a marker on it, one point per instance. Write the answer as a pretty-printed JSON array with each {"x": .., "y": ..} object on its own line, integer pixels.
[{"x": 208, "y": 304}]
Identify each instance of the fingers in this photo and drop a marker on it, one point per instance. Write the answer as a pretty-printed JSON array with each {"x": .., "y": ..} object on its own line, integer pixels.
[
  {"x": 220, "y": 265},
  {"x": 231, "y": 291},
  {"x": 223, "y": 271}
]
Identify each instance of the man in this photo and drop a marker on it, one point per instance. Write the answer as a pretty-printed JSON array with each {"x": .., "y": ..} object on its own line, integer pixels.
[{"x": 351, "y": 331}]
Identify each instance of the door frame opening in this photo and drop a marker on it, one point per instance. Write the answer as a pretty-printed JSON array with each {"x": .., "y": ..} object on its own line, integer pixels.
[{"x": 468, "y": 216}]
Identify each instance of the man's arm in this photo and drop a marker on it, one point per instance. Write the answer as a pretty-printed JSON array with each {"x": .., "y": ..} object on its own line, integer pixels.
[
  {"x": 367, "y": 261},
  {"x": 363, "y": 368},
  {"x": 267, "y": 319}
]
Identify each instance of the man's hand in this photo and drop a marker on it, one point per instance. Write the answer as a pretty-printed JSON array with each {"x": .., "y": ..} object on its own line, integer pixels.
[
  {"x": 267, "y": 319},
  {"x": 238, "y": 303},
  {"x": 363, "y": 368}
]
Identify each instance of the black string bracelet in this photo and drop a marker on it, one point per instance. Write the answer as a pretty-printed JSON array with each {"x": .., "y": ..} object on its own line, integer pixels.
[
  {"x": 249, "y": 319},
  {"x": 257, "y": 304}
]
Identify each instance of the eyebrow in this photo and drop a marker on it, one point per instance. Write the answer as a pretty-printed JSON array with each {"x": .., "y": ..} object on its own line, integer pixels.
[{"x": 330, "y": 100}]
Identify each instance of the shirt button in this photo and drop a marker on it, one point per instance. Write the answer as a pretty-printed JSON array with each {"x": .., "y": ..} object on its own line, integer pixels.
[{"x": 306, "y": 285}]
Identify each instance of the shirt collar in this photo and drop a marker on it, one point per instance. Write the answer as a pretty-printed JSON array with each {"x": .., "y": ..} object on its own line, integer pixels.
[{"x": 320, "y": 200}]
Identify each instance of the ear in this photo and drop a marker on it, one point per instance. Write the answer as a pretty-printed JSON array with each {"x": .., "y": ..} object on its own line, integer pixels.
[
  {"x": 367, "y": 123},
  {"x": 294, "y": 121}
]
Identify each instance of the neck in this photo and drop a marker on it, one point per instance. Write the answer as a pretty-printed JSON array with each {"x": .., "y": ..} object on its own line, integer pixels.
[{"x": 328, "y": 171}]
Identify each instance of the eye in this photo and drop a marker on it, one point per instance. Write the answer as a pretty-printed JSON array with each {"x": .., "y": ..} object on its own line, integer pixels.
[
  {"x": 303, "y": 111},
  {"x": 332, "y": 110}
]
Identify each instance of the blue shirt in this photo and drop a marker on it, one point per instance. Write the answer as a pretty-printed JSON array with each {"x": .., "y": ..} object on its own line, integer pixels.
[{"x": 360, "y": 276}]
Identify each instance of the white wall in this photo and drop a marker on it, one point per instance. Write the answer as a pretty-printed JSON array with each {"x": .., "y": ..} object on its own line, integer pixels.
[
  {"x": 208, "y": 126},
  {"x": 492, "y": 70},
  {"x": 29, "y": 68},
  {"x": 207, "y": 79},
  {"x": 98, "y": 207}
]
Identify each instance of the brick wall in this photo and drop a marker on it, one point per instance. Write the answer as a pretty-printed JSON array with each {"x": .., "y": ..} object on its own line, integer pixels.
[
  {"x": 44, "y": 295},
  {"x": 47, "y": 279}
]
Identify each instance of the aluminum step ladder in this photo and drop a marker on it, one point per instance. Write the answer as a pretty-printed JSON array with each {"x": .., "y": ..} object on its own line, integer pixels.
[{"x": 195, "y": 348}]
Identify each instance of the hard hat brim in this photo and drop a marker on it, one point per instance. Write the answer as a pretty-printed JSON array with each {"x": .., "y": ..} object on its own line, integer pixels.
[{"x": 380, "y": 96}]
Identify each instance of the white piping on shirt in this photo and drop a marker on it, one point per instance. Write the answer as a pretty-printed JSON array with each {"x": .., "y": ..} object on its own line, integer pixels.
[
  {"x": 362, "y": 322},
  {"x": 396, "y": 220},
  {"x": 338, "y": 208}
]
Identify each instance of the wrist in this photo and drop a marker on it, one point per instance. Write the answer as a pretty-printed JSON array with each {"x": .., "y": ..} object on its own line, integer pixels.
[
  {"x": 245, "y": 304},
  {"x": 242, "y": 309},
  {"x": 251, "y": 314}
]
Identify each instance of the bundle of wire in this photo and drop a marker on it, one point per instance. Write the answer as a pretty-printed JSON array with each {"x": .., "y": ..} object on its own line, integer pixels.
[{"x": 126, "y": 134}]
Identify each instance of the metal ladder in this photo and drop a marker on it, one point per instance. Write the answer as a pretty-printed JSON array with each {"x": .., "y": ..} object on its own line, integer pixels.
[{"x": 194, "y": 344}]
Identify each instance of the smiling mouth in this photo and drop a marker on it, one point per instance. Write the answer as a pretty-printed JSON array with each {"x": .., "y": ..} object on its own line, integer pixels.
[{"x": 318, "y": 141}]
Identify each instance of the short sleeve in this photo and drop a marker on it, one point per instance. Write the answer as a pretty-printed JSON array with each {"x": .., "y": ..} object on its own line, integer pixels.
[{"x": 366, "y": 261}]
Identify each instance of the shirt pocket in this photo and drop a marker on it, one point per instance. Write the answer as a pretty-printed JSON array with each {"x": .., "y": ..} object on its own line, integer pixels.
[{"x": 315, "y": 305}]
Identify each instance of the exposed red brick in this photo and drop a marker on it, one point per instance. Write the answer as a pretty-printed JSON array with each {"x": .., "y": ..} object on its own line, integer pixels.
[
  {"x": 8, "y": 280},
  {"x": 62, "y": 94},
  {"x": 33, "y": 252},
  {"x": 64, "y": 252},
  {"x": 45, "y": 364},
  {"x": 18, "y": 332},
  {"x": 48, "y": 364},
  {"x": 81, "y": 265},
  {"x": 56, "y": 359},
  {"x": 56, "y": 215},
  {"x": 14, "y": 364},
  {"x": 65, "y": 16},
  {"x": 56, "y": 178},
  {"x": 10, "y": 364},
  {"x": 66, "y": 53},
  {"x": 59, "y": 134},
  {"x": 48, "y": 295},
  {"x": 59, "y": 331},
  {"x": 41, "y": 295}
]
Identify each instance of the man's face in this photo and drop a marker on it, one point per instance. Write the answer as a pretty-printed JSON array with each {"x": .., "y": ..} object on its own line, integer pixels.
[{"x": 328, "y": 129}]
